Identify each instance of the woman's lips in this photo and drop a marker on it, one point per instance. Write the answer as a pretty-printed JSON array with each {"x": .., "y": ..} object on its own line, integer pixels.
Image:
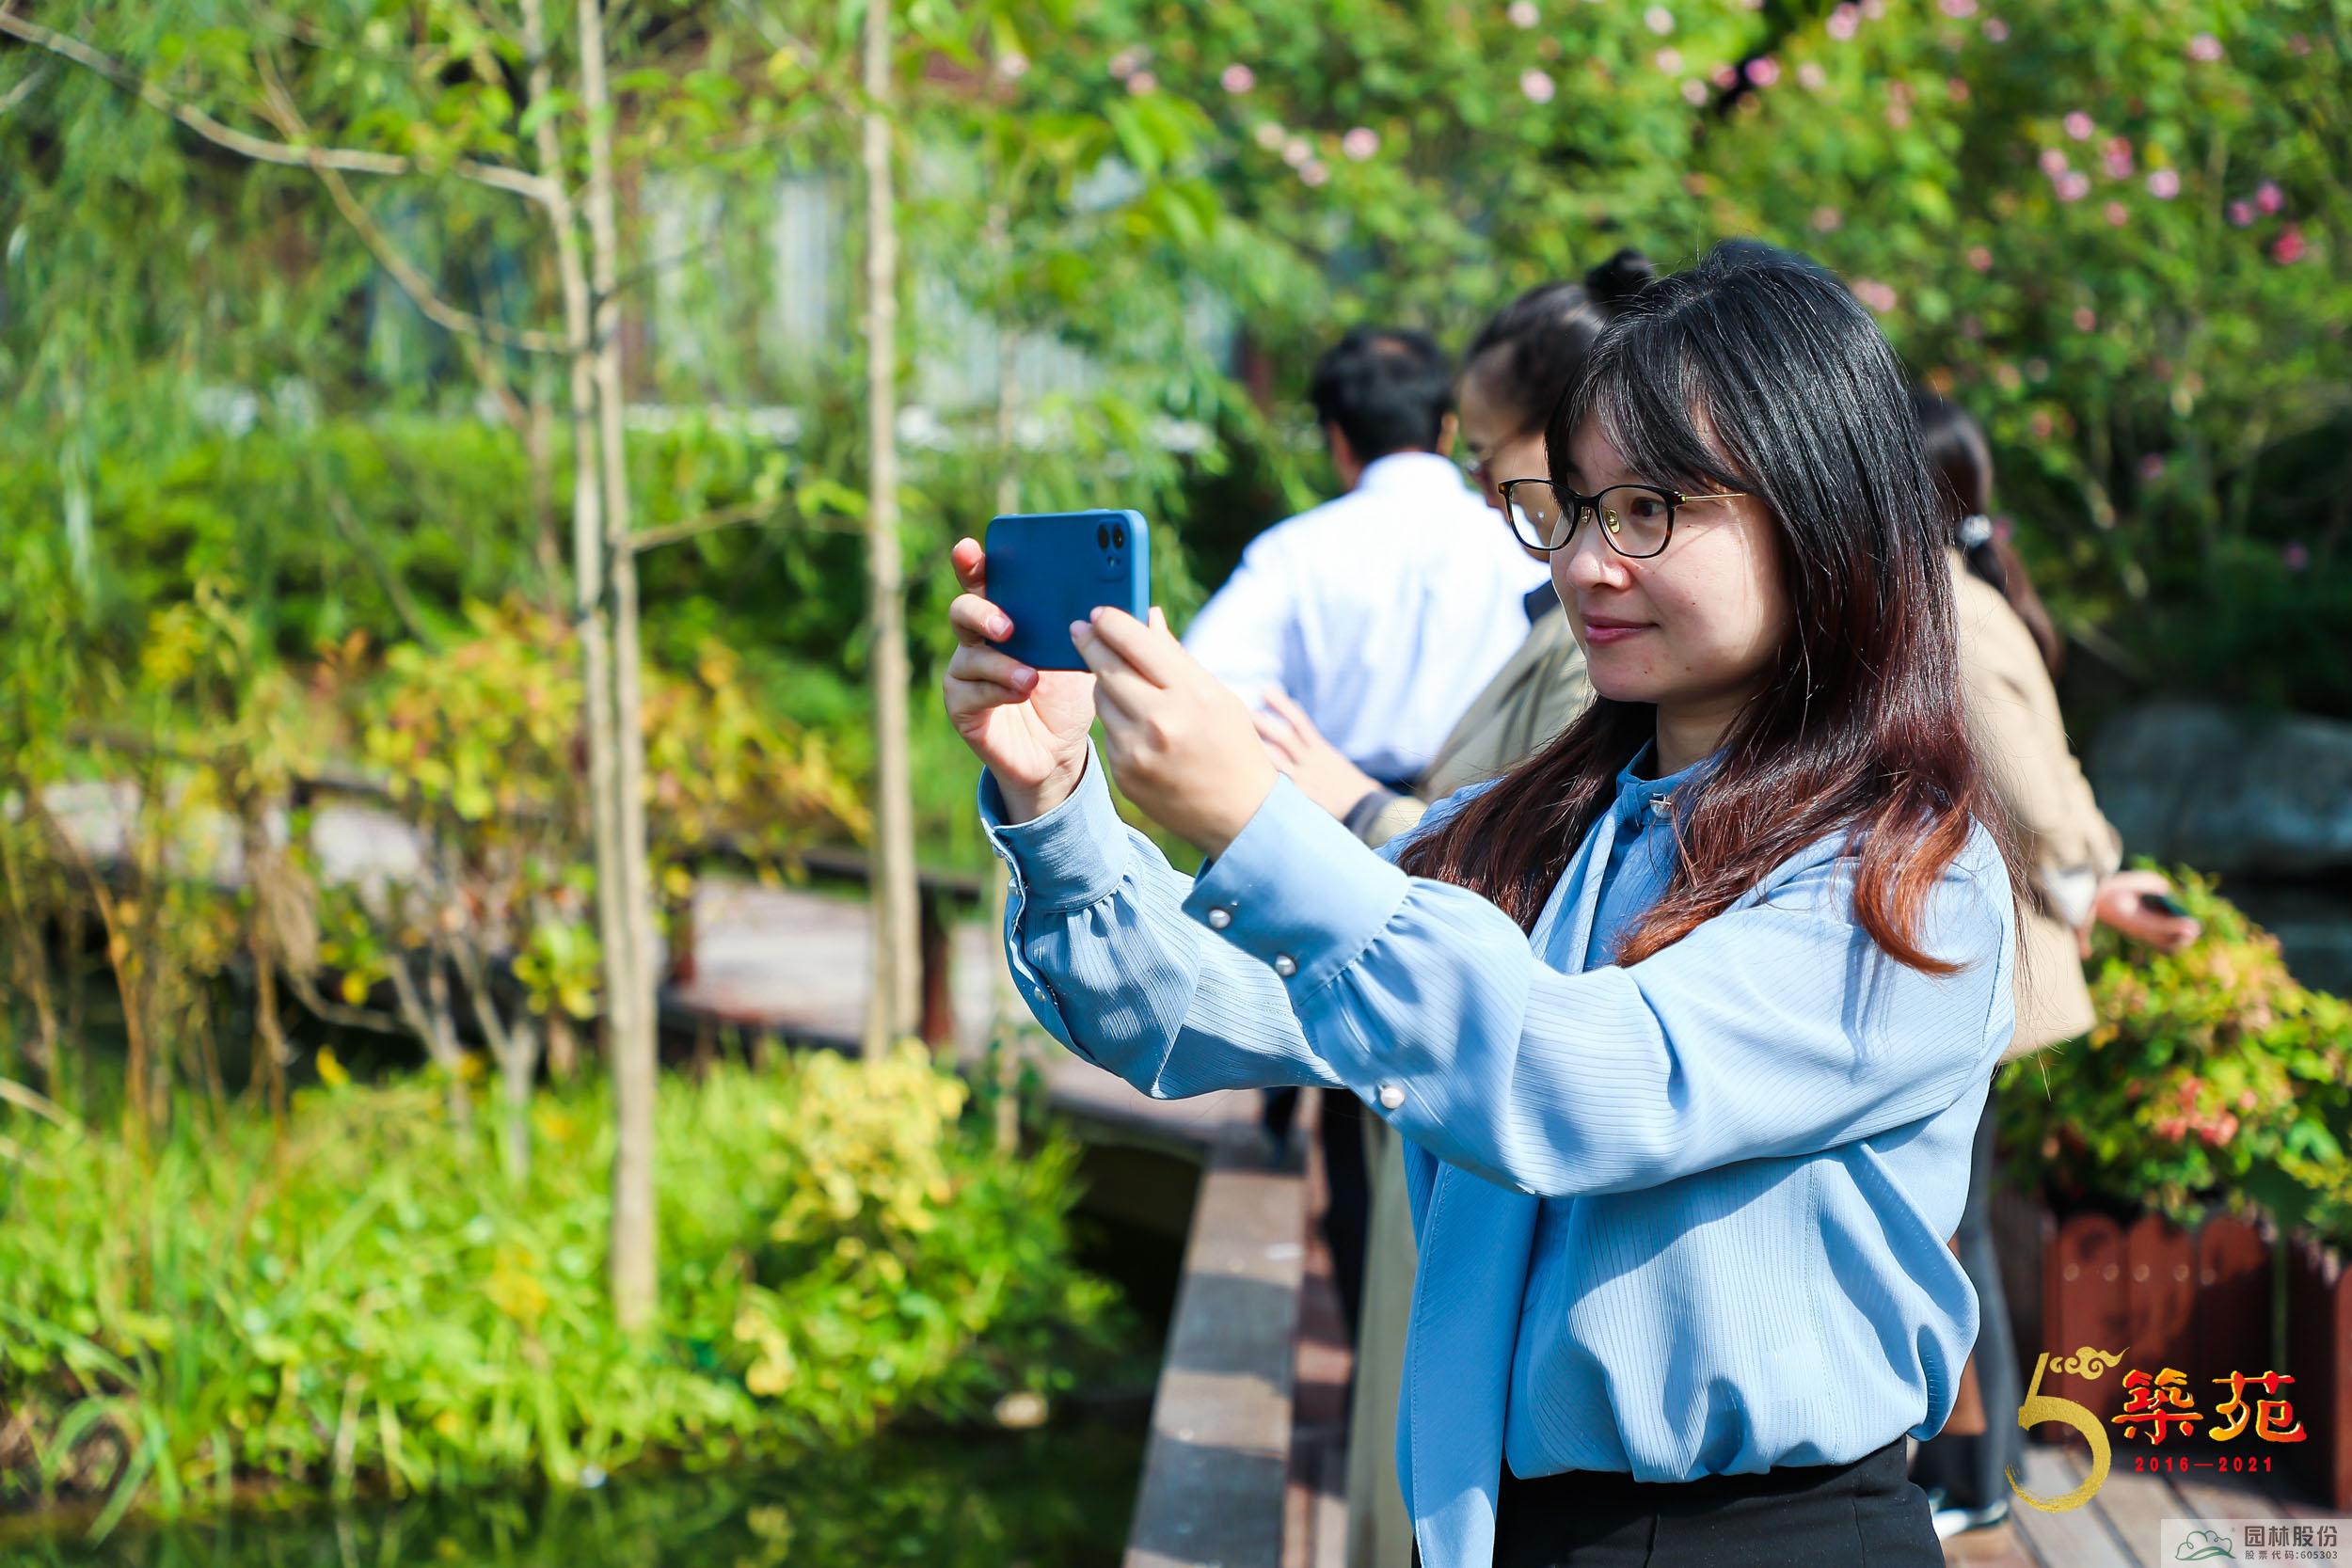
[{"x": 1602, "y": 631}]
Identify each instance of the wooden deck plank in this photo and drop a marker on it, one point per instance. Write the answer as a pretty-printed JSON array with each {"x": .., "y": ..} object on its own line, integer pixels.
[
  {"x": 2079, "y": 1537},
  {"x": 1998, "y": 1547},
  {"x": 2137, "y": 1504}
]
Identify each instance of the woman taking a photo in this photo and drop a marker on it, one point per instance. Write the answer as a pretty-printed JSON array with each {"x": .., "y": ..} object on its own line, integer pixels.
[{"x": 1688, "y": 1019}]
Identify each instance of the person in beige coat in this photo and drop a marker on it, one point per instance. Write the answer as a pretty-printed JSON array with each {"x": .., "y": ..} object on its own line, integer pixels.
[
  {"x": 1516, "y": 368},
  {"x": 2009, "y": 658}
]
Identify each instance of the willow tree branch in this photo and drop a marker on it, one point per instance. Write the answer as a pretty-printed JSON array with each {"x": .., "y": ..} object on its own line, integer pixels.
[
  {"x": 719, "y": 517},
  {"x": 279, "y": 105},
  {"x": 261, "y": 149},
  {"x": 23, "y": 91}
]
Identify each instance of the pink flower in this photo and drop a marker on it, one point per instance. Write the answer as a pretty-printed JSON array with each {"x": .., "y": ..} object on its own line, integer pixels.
[
  {"x": 2116, "y": 214},
  {"x": 2152, "y": 467},
  {"x": 1012, "y": 67},
  {"x": 1877, "y": 295},
  {"x": 1538, "y": 87},
  {"x": 2288, "y": 248},
  {"x": 1827, "y": 219},
  {"x": 2205, "y": 47},
  {"x": 2006, "y": 375},
  {"x": 1360, "y": 143},
  {"x": 2241, "y": 213},
  {"x": 1812, "y": 77},
  {"x": 1126, "y": 62},
  {"x": 1960, "y": 9},
  {"x": 2164, "y": 184},
  {"x": 2079, "y": 125},
  {"x": 1956, "y": 89},
  {"x": 1995, "y": 30},
  {"x": 1268, "y": 134},
  {"x": 1141, "y": 83},
  {"x": 2119, "y": 157},
  {"x": 1314, "y": 172},
  {"x": 2294, "y": 557},
  {"x": 1723, "y": 76},
  {"x": 2298, "y": 44},
  {"x": 1298, "y": 153},
  {"x": 2085, "y": 318},
  {"x": 2074, "y": 186},
  {"x": 1668, "y": 62},
  {"x": 2246, "y": 1100},
  {"x": 1658, "y": 20},
  {"x": 1694, "y": 92},
  {"x": 2053, "y": 161},
  {"x": 1874, "y": 9},
  {"x": 1897, "y": 114},
  {"x": 1238, "y": 79},
  {"x": 1980, "y": 258},
  {"x": 1844, "y": 23},
  {"x": 1522, "y": 13},
  {"x": 2268, "y": 196},
  {"x": 1764, "y": 71}
]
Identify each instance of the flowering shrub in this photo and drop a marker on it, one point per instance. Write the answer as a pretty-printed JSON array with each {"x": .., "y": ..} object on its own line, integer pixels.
[{"x": 2210, "y": 1075}]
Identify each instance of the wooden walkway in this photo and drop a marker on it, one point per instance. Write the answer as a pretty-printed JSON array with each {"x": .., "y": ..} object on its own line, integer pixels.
[{"x": 2122, "y": 1526}]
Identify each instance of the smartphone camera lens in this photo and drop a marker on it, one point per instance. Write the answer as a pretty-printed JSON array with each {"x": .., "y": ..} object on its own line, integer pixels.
[
  {"x": 1119, "y": 535},
  {"x": 1101, "y": 536}
]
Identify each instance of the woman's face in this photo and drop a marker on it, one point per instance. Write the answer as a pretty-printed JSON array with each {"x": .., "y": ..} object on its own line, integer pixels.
[
  {"x": 1500, "y": 445},
  {"x": 1696, "y": 626}
]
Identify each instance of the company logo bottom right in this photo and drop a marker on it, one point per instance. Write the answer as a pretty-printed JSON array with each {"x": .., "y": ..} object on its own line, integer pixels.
[{"x": 2301, "y": 1541}]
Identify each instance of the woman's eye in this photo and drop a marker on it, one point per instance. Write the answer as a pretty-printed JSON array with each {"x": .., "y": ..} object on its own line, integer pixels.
[{"x": 1646, "y": 509}]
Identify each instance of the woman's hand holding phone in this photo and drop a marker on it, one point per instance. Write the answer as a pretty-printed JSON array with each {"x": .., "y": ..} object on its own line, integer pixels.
[
  {"x": 1183, "y": 747},
  {"x": 1028, "y": 726}
]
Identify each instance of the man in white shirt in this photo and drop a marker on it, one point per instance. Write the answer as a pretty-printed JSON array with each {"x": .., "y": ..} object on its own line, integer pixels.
[{"x": 1383, "y": 612}]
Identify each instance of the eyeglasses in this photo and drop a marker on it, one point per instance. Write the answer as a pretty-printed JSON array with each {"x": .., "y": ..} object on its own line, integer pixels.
[{"x": 1636, "y": 520}]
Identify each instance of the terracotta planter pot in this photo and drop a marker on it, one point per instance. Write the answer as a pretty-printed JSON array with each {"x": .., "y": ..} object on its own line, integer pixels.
[
  {"x": 2199, "y": 1300},
  {"x": 2319, "y": 1353}
]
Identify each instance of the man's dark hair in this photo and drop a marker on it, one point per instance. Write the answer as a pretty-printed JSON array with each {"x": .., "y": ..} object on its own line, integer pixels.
[{"x": 1387, "y": 389}]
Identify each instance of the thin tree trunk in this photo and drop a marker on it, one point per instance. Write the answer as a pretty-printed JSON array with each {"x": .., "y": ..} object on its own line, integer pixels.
[
  {"x": 892, "y": 1005},
  {"x": 635, "y": 1241}
]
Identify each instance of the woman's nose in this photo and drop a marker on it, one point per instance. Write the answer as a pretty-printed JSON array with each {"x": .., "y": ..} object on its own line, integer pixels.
[{"x": 1591, "y": 563}]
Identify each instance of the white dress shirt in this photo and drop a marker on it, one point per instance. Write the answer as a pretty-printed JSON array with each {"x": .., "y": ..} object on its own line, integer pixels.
[{"x": 1381, "y": 614}]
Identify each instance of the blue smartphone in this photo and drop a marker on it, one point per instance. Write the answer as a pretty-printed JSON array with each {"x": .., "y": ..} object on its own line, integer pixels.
[{"x": 1046, "y": 569}]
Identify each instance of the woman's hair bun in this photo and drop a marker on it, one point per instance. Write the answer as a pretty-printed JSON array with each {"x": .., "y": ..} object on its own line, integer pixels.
[{"x": 1620, "y": 277}]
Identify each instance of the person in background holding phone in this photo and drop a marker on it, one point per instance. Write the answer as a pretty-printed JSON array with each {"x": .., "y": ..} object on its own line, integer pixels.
[
  {"x": 1688, "y": 1019},
  {"x": 1514, "y": 374},
  {"x": 2009, "y": 656},
  {"x": 1373, "y": 618}
]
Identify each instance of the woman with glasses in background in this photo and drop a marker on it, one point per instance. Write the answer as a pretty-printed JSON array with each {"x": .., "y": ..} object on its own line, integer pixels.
[{"x": 1686, "y": 1020}]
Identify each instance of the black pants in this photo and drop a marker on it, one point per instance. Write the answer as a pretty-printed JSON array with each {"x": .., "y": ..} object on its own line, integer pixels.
[
  {"x": 1859, "y": 1515},
  {"x": 1973, "y": 1470}
]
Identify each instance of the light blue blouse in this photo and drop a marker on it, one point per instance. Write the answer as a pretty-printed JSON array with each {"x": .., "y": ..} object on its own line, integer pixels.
[{"x": 1680, "y": 1218}]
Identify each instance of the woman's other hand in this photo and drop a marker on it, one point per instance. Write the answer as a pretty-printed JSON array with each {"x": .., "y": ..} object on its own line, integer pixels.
[
  {"x": 1028, "y": 726},
  {"x": 1181, "y": 745},
  {"x": 2119, "y": 905},
  {"x": 1318, "y": 768}
]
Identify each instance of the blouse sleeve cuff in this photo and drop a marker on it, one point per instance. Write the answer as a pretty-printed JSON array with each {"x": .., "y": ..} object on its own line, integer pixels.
[
  {"x": 1297, "y": 890},
  {"x": 1071, "y": 856}
]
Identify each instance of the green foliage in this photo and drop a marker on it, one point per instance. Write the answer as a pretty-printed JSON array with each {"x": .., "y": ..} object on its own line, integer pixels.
[
  {"x": 363, "y": 1303},
  {"x": 2210, "y": 1076}
]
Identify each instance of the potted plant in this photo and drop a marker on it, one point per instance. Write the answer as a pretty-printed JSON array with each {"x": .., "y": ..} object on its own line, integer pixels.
[{"x": 2202, "y": 1115}]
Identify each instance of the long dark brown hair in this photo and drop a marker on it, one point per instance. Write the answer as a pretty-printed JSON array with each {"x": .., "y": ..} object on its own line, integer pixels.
[{"x": 1755, "y": 371}]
